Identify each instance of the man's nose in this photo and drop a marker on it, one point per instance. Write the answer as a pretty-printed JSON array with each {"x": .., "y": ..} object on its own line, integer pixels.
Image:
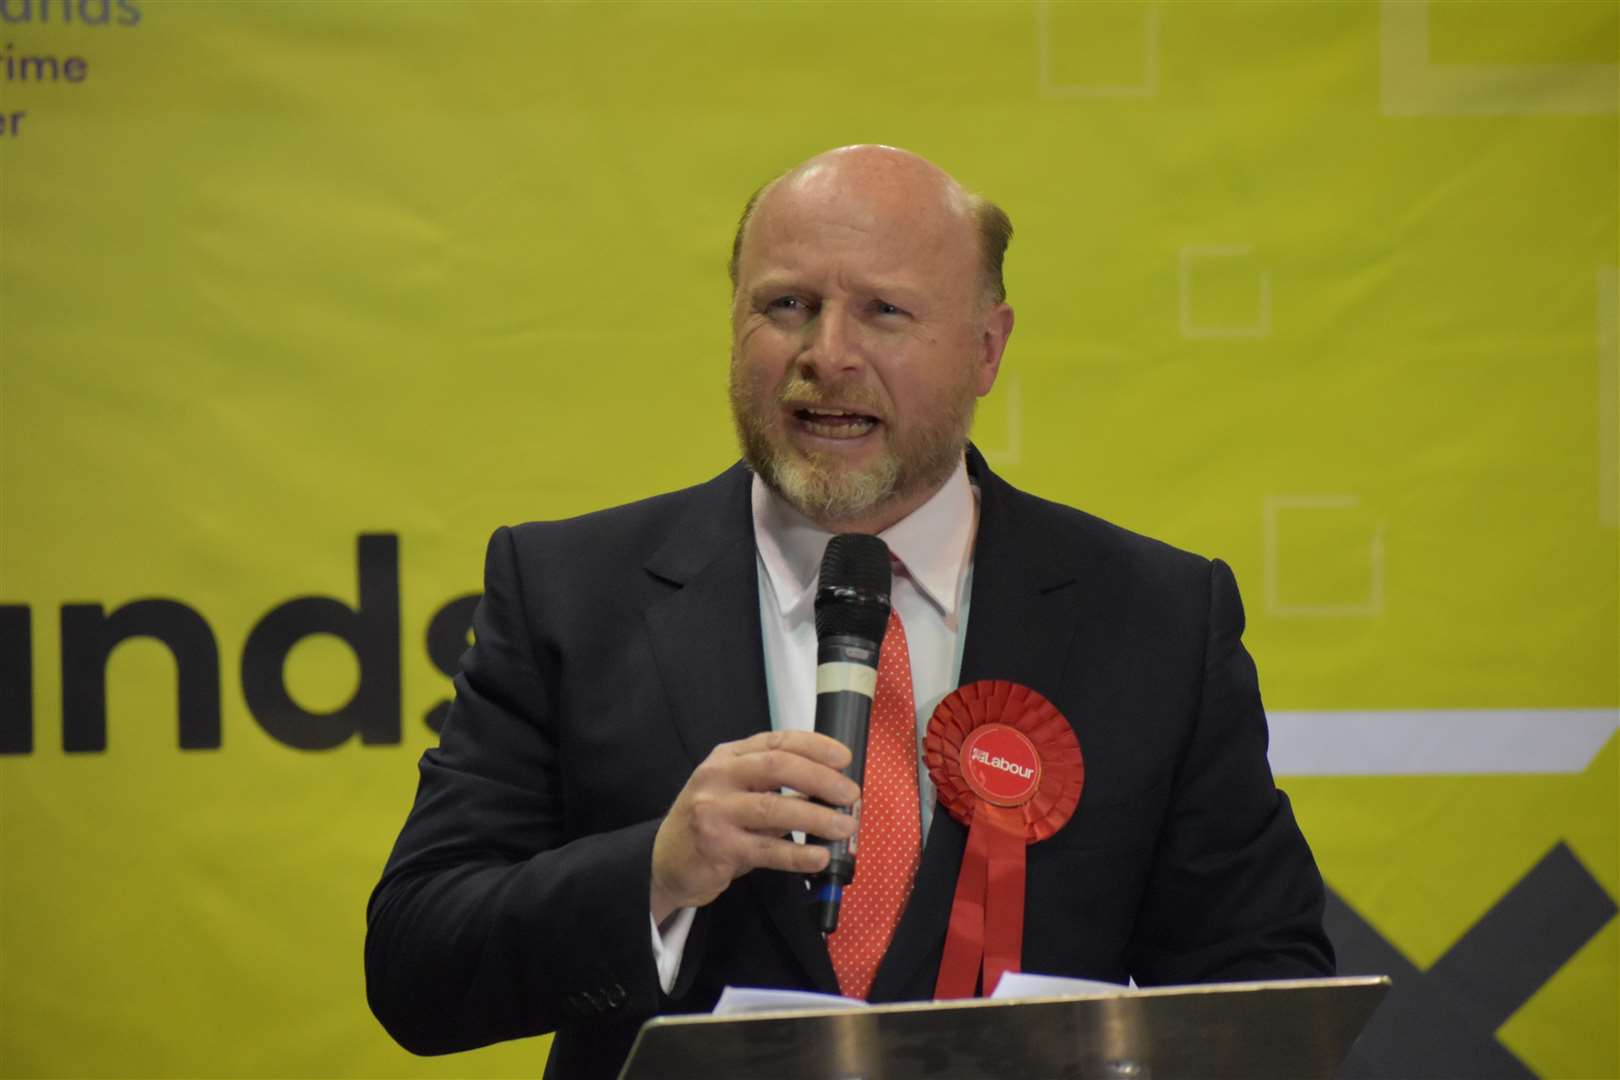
[{"x": 832, "y": 343}]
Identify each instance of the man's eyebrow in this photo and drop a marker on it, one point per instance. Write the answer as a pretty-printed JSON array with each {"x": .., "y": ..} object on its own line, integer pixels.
[
  {"x": 785, "y": 282},
  {"x": 774, "y": 283}
]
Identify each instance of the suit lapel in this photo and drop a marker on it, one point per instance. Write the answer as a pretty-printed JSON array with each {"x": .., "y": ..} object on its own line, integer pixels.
[
  {"x": 707, "y": 641},
  {"x": 706, "y": 634},
  {"x": 1020, "y": 622}
]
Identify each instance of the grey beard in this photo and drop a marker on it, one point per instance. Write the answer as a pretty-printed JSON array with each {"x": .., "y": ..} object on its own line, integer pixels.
[{"x": 821, "y": 493}]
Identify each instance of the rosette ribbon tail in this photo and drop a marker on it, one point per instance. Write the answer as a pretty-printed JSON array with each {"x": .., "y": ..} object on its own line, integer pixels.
[
  {"x": 1004, "y": 906},
  {"x": 986, "y": 931}
]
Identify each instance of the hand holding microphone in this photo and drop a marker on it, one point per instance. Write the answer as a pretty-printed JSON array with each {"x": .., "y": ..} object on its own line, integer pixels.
[{"x": 731, "y": 816}]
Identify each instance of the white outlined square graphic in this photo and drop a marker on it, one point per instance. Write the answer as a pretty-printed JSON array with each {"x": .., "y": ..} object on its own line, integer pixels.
[
  {"x": 1198, "y": 323},
  {"x": 1051, "y": 33},
  {"x": 1284, "y": 568},
  {"x": 1009, "y": 450},
  {"x": 1608, "y": 395},
  {"x": 1411, "y": 83}
]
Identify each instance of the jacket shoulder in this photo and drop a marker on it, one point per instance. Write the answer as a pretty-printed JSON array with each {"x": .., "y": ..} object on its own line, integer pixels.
[
  {"x": 636, "y": 531},
  {"x": 1084, "y": 542}
]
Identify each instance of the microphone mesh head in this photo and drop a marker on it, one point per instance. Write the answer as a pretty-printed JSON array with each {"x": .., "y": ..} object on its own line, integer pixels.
[{"x": 853, "y": 594}]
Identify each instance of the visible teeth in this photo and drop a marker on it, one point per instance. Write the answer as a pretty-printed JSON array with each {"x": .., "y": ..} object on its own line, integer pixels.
[{"x": 843, "y": 425}]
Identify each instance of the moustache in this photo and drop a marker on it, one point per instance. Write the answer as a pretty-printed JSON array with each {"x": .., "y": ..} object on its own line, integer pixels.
[{"x": 799, "y": 393}]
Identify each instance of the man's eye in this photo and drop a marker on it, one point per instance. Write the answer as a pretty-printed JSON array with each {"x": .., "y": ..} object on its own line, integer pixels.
[
  {"x": 883, "y": 307},
  {"x": 790, "y": 310}
]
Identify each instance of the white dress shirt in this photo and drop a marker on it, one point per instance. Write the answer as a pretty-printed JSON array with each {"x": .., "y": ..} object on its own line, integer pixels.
[{"x": 933, "y": 575}]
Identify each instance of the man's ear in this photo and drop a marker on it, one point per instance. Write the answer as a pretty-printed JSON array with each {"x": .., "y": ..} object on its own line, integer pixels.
[{"x": 998, "y": 327}]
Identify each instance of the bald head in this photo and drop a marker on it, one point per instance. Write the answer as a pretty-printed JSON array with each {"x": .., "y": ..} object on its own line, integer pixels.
[{"x": 896, "y": 187}]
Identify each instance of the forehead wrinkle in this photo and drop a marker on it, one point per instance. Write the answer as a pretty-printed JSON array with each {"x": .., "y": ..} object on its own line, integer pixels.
[
  {"x": 821, "y": 245},
  {"x": 783, "y": 270}
]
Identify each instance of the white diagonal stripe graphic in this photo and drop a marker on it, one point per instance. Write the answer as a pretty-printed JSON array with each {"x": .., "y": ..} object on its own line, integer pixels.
[{"x": 1416, "y": 742}]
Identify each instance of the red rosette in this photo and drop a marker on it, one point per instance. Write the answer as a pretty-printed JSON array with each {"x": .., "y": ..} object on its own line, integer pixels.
[
  {"x": 1007, "y": 765},
  {"x": 995, "y": 701}
]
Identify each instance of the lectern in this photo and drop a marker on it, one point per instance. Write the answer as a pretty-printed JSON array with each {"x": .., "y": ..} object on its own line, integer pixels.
[{"x": 1293, "y": 1030}]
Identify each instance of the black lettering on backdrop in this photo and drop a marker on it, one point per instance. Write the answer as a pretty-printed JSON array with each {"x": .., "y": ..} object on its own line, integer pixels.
[
  {"x": 448, "y": 636},
  {"x": 89, "y": 635},
  {"x": 19, "y": 70},
  {"x": 371, "y": 630},
  {"x": 16, "y": 680},
  {"x": 87, "y": 12},
  {"x": 18, "y": 67}
]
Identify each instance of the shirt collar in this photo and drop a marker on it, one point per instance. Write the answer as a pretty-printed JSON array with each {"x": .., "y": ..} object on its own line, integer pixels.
[{"x": 933, "y": 544}]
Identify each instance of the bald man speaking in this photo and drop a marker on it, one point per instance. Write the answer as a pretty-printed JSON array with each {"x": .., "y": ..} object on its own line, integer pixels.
[{"x": 608, "y": 827}]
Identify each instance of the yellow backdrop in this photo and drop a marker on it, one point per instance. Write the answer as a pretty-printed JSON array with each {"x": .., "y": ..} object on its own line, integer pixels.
[{"x": 1328, "y": 290}]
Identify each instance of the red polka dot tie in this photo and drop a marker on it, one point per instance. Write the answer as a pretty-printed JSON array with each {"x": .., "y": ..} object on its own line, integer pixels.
[{"x": 889, "y": 844}]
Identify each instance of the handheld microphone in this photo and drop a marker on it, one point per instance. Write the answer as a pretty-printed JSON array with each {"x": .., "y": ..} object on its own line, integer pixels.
[{"x": 852, "y": 611}]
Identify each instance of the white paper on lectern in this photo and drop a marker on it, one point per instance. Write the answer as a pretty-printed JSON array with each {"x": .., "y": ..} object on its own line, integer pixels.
[
  {"x": 1023, "y": 984},
  {"x": 739, "y": 1000}
]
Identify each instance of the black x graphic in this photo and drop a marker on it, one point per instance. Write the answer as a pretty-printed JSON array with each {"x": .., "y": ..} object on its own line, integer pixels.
[{"x": 1441, "y": 1024}]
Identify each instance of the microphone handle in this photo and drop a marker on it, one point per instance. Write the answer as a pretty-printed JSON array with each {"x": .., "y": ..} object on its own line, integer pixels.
[{"x": 846, "y": 675}]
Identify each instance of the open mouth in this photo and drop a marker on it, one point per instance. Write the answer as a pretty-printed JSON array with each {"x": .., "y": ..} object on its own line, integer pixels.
[{"x": 831, "y": 423}]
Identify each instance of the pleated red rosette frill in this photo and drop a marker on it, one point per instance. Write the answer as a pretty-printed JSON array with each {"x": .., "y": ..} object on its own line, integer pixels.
[{"x": 1006, "y": 765}]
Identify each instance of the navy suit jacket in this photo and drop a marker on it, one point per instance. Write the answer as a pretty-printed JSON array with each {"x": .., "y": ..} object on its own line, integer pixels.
[{"x": 615, "y": 650}]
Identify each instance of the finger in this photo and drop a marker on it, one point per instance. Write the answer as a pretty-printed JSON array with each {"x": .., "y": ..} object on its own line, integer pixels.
[
  {"x": 774, "y": 815},
  {"x": 769, "y": 770},
  {"x": 813, "y": 745},
  {"x": 772, "y": 853}
]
